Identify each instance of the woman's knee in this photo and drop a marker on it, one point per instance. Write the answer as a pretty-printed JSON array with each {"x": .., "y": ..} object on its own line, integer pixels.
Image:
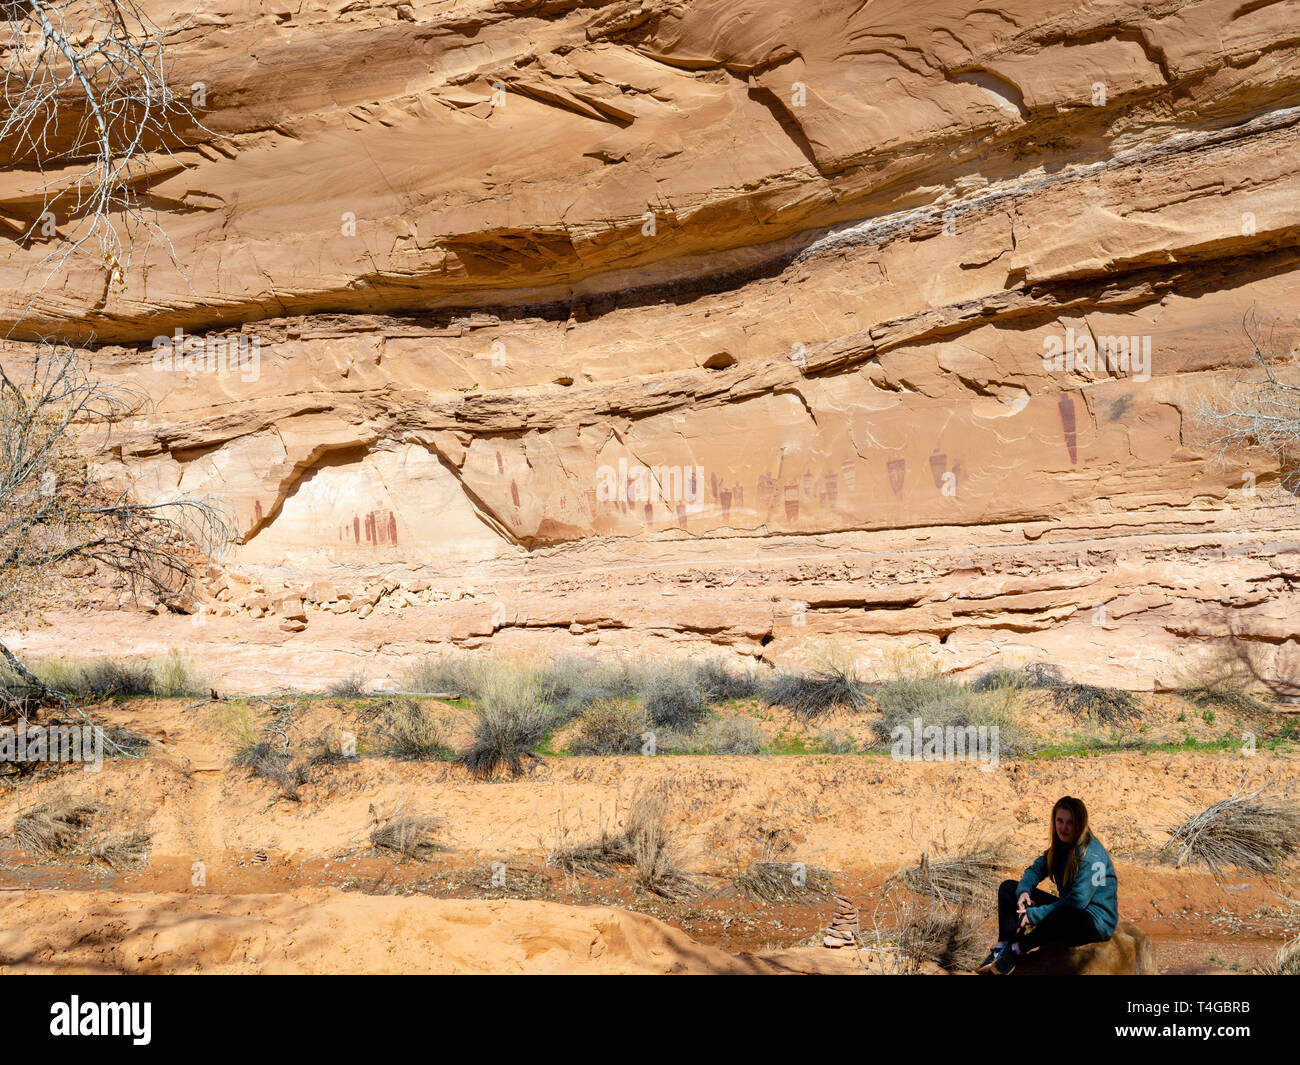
[{"x": 1008, "y": 888}]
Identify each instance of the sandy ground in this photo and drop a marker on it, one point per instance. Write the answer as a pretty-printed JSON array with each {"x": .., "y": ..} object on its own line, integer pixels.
[
  {"x": 240, "y": 879},
  {"x": 324, "y": 931}
]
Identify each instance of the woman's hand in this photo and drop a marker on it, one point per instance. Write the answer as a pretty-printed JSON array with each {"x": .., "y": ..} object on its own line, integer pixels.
[{"x": 1022, "y": 908}]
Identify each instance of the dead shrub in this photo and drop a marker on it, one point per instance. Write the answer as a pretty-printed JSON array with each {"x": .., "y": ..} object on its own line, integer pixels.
[
  {"x": 966, "y": 877},
  {"x": 776, "y": 882},
  {"x": 1249, "y": 831},
  {"x": 410, "y": 731},
  {"x": 126, "y": 851},
  {"x": 833, "y": 686},
  {"x": 719, "y": 683},
  {"x": 1287, "y": 962},
  {"x": 905, "y": 933},
  {"x": 1110, "y": 706},
  {"x": 410, "y": 835},
  {"x": 610, "y": 727},
  {"x": 673, "y": 699},
  {"x": 352, "y": 686},
  {"x": 274, "y": 766},
  {"x": 55, "y": 828},
  {"x": 944, "y": 935},
  {"x": 647, "y": 845}
]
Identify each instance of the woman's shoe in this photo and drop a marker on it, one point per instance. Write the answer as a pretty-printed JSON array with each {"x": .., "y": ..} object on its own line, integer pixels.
[
  {"x": 1005, "y": 962},
  {"x": 987, "y": 964}
]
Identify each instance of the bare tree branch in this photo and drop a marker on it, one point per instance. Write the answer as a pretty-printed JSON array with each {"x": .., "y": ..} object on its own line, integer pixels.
[
  {"x": 1261, "y": 415},
  {"x": 86, "y": 106},
  {"x": 54, "y": 512}
]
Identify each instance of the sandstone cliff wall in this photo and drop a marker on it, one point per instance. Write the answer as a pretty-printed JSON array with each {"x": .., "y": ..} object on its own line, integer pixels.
[{"x": 500, "y": 268}]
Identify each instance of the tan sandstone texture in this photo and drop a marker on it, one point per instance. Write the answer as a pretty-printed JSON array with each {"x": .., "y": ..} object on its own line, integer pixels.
[{"x": 497, "y": 268}]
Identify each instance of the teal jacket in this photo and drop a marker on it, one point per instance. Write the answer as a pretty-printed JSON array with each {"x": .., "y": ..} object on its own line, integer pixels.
[{"x": 1093, "y": 890}]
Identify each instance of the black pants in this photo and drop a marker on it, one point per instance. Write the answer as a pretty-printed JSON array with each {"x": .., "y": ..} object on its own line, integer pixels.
[{"x": 1064, "y": 925}]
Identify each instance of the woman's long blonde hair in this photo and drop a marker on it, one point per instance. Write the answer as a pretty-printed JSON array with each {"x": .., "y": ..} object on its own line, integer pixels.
[{"x": 1082, "y": 837}]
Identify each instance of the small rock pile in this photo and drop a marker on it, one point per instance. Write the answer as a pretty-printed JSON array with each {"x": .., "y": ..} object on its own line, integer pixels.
[{"x": 843, "y": 931}]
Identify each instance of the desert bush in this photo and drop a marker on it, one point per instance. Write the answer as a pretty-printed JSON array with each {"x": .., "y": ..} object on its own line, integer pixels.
[
  {"x": 176, "y": 678},
  {"x": 171, "y": 676},
  {"x": 945, "y": 704},
  {"x": 718, "y": 682},
  {"x": 9, "y": 680},
  {"x": 126, "y": 851},
  {"x": 63, "y": 827},
  {"x": 833, "y": 741},
  {"x": 1229, "y": 694},
  {"x": 18, "y": 698},
  {"x": 440, "y": 673},
  {"x": 409, "y": 730},
  {"x": 610, "y": 726},
  {"x": 832, "y": 684},
  {"x": 1287, "y": 962},
  {"x": 1035, "y": 676},
  {"x": 673, "y": 699},
  {"x": 1042, "y": 675},
  {"x": 274, "y": 766},
  {"x": 728, "y": 734},
  {"x": 352, "y": 686},
  {"x": 410, "y": 835},
  {"x": 967, "y": 876},
  {"x": 1249, "y": 831},
  {"x": 1110, "y": 706},
  {"x": 62, "y": 675},
  {"x": 810, "y": 695},
  {"x": 945, "y": 935},
  {"x": 54, "y": 828},
  {"x": 646, "y": 844},
  {"x": 572, "y": 683},
  {"x": 901, "y": 699},
  {"x": 958, "y": 707},
  {"x": 105, "y": 678},
  {"x": 903, "y": 934},
  {"x": 999, "y": 678},
  {"x": 236, "y": 720},
  {"x": 512, "y": 717},
  {"x": 655, "y": 851},
  {"x": 773, "y": 882}
]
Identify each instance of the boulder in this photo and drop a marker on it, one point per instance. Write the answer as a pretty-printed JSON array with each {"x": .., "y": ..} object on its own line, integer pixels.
[
  {"x": 291, "y": 608},
  {"x": 322, "y": 592},
  {"x": 1127, "y": 953},
  {"x": 464, "y": 629}
]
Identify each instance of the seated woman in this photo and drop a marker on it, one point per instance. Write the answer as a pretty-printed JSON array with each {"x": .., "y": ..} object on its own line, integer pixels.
[{"x": 1087, "y": 907}]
